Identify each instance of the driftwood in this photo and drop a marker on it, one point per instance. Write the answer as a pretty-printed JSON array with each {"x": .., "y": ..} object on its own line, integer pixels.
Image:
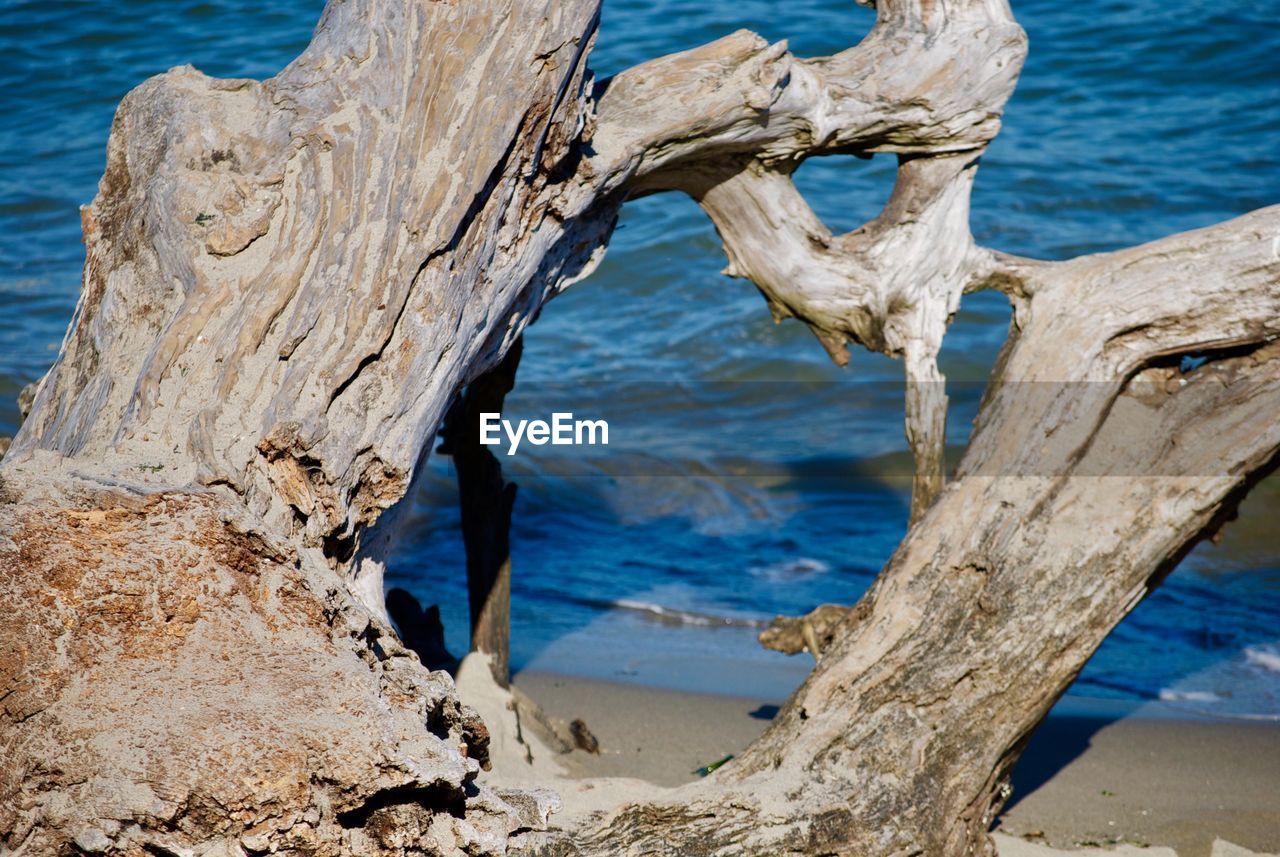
[
  {"x": 486, "y": 501},
  {"x": 812, "y": 632},
  {"x": 288, "y": 281}
]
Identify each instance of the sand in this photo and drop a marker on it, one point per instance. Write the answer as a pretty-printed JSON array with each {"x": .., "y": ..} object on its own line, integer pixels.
[
  {"x": 1096, "y": 776},
  {"x": 1150, "y": 778}
]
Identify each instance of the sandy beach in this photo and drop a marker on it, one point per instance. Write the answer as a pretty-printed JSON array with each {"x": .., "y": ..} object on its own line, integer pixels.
[{"x": 1096, "y": 774}]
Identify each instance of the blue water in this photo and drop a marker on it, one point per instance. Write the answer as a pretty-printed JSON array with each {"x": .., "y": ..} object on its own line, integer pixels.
[{"x": 1132, "y": 120}]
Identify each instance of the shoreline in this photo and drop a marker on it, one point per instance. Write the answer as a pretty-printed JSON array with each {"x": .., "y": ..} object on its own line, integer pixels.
[{"x": 1097, "y": 773}]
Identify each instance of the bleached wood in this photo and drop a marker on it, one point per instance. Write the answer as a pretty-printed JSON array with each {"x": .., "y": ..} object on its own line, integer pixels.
[
  {"x": 1087, "y": 479},
  {"x": 287, "y": 282}
]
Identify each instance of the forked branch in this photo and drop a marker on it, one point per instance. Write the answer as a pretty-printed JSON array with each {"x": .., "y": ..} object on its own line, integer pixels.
[{"x": 729, "y": 122}]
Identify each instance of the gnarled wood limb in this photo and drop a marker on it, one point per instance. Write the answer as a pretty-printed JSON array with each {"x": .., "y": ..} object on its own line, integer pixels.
[
  {"x": 929, "y": 78},
  {"x": 891, "y": 285},
  {"x": 1085, "y": 483},
  {"x": 738, "y": 115}
]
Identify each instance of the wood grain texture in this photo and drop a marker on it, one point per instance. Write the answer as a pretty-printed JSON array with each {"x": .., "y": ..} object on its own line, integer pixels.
[{"x": 286, "y": 281}]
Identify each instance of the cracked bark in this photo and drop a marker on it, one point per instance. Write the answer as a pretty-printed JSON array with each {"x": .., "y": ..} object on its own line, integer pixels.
[{"x": 288, "y": 281}]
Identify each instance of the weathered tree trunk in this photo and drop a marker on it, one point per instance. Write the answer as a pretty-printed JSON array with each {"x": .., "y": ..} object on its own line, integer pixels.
[{"x": 286, "y": 284}]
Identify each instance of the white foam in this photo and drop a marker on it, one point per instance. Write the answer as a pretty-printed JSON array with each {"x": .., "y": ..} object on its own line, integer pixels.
[
  {"x": 674, "y": 616},
  {"x": 1168, "y": 695},
  {"x": 1263, "y": 656},
  {"x": 790, "y": 568},
  {"x": 1244, "y": 687}
]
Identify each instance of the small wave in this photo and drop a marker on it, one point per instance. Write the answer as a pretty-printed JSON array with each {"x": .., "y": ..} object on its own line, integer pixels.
[
  {"x": 790, "y": 568},
  {"x": 1267, "y": 657},
  {"x": 1168, "y": 695},
  {"x": 1244, "y": 687},
  {"x": 675, "y": 616}
]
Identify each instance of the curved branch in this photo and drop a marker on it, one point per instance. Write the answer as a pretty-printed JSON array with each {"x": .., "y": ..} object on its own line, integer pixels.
[
  {"x": 1209, "y": 290},
  {"x": 891, "y": 285},
  {"x": 940, "y": 647},
  {"x": 993, "y": 603},
  {"x": 728, "y": 122},
  {"x": 929, "y": 78}
]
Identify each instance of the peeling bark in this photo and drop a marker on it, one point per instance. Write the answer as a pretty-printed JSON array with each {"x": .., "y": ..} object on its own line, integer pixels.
[{"x": 286, "y": 284}]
